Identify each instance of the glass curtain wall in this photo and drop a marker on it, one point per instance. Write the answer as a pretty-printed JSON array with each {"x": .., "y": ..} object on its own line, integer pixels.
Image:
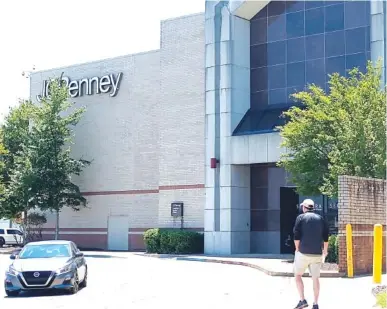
[{"x": 296, "y": 43}]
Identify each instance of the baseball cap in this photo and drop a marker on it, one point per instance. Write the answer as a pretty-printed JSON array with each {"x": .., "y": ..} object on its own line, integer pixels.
[{"x": 308, "y": 203}]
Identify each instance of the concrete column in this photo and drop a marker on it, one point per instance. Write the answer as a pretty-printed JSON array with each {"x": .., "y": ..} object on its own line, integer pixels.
[
  {"x": 378, "y": 33},
  {"x": 231, "y": 90},
  {"x": 212, "y": 123}
]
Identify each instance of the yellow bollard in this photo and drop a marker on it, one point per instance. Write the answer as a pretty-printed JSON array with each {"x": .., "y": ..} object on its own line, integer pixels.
[
  {"x": 378, "y": 253},
  {"x": 349, "y": 250}
]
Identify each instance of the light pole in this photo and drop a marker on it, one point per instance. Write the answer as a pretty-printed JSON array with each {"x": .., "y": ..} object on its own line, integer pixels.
[{"x": 26, "y": 74}]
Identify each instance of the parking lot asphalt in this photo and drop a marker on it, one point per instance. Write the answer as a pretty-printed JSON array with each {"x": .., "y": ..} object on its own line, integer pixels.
[{"x": 118, "y": 280}]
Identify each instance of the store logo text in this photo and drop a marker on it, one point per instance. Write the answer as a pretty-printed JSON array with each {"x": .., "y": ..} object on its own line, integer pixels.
[{"x": 89, "y": 86}]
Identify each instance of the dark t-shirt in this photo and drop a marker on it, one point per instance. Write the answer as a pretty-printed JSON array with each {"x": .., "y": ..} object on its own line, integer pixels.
[{"x": 311, "y": 230}]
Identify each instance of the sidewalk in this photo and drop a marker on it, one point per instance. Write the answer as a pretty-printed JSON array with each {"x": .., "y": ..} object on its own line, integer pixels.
[
  {"x": 7, "y": 250},
  {"x": 272, "y": 265}
]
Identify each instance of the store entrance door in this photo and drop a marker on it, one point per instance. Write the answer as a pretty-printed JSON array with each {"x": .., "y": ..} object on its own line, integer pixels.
[{"x": 289, "y": 212}]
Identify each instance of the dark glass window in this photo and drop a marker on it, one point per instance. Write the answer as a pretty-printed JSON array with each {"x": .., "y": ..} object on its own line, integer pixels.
[
  {"x": 295, "y": 50},
  {"x": 335, "y": 65},
  {"x": 258, "y": 56},
  {"x": 334, "y": 44},
  {"x": 258, "y": 79},
  {"x": 276, "y": 29},
  {"x": 295, "y": 43},
  {"x": 295, "y": 6},
  {"x": 355, "y": 40},
  {"x": 276, "y": 8},
  {"x": 334, "y": 17},
  {"x": 292, "y": 90},
  {"x": 315, "y": 72},
  {"x": 296, "y": 74},
  {"x": 368, "y": 38},
  {"x": 261, "y": 14},
  {"x": 277, "y": 77},
  {"x": 258, "y": 31},
  {"x": 314, "y": 21},
  {"x": 355, "y": 14},
  {"x": 1, "y": 231},
  {"x": 277, "y": 96},
  {"x": 314, "y": 4},
  {"x": 357, "y": 60},
  {"x": 314, "y": 46},
  {"x": 276, "y": 53},
  {"x": 295, "y": 25},
  {"x": 259, "y": 99},
  {"x": 329, "y": 3}
]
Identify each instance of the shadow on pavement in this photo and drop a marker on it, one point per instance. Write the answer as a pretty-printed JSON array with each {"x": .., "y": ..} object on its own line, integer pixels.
[
  {"x": 43, "y": 293},
  {"x": 103, "y": 256}
]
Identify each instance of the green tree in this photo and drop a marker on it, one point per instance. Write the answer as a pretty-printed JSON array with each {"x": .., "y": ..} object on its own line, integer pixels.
[
  {"x": 20, "y": 190},
  {"x": 340, "y": 133},
  {"x": 52, "y": 132},
  {"x": 15, "y": 134},
  {"x": 15, "y": 166}
]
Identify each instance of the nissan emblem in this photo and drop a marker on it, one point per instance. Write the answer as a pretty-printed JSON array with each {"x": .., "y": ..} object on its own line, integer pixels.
[{"x": 36, "y": 274}]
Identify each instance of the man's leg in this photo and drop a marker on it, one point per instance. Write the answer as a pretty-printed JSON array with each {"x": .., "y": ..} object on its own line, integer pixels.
[
  {"x": 300, "y": 265},
  {"x": 300, "y": 286},
  {"x": 315, "y": 273}
]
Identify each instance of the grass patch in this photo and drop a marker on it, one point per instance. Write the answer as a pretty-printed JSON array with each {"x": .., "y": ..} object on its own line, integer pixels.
[{"x": 381, "y": 299}]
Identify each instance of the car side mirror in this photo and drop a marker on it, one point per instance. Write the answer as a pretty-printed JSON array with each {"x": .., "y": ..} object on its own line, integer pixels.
[
  {"x": 79, "y": 254},
  {"x": 12, "y": 257}
]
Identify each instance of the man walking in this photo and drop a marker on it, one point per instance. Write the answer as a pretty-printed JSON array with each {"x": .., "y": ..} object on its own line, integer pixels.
[{"x": 310, "y": 233}]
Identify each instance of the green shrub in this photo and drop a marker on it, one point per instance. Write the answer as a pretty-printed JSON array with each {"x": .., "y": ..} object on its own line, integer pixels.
[
  {"x": 333, "y": 249},
  {"x": 152, "y": 240},
  {"x": 381, "y": 299},
  {"x": 169, "y": 241}
]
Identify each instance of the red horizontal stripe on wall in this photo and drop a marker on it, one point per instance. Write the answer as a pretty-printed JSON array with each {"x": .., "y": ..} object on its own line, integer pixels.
[
  {"x": 181, "y": 187},
  {"x": 125, "y": 192},
  {"x": 145, "y": 191},
  {"x": 76, "y": 229}
]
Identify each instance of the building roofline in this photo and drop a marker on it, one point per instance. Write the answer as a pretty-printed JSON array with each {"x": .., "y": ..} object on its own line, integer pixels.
[
  {"x": 95, "y": 61},
  {"x": 181, "y": 17}
]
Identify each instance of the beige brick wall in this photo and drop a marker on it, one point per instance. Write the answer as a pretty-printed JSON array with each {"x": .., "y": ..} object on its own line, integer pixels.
[
  {"x": 362, "y": 203},
  {"x": 148, "y": 137},
  {"x": 182, "y": 117}
]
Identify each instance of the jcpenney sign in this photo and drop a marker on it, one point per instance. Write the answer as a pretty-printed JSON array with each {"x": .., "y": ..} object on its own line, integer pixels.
[{"x": 86, "y": 86}]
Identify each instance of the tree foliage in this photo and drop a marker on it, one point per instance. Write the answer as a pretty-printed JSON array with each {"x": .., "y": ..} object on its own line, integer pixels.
[
  {"x": 52, "y": 132},
  {"x": 38, "y": 166},
  {"x": 340, "y": 133}
]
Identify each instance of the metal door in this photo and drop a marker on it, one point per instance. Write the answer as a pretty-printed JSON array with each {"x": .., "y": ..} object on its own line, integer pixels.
[{"x": 118, "y": 227}]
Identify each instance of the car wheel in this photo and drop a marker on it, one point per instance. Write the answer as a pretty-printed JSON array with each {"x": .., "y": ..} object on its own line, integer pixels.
[
  {"x": 75, "y": 288},
  {"x": 12, "y": 293},
  {"x": 83, "y": 284},
  {"x": 2, "y": 242}
]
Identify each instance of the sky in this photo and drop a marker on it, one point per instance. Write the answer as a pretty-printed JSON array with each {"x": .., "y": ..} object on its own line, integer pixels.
[{"x": 48, "y": 34}]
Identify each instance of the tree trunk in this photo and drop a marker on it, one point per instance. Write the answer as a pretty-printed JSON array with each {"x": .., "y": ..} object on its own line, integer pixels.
[
  {"x": 57, "y": 226},
  {"x": 25, "y": 223}
]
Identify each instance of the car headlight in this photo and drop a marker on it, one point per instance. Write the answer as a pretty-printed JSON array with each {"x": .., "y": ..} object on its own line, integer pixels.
[
  {"x": 64, "y": 269},
  {"x": 12, "y": 271}
]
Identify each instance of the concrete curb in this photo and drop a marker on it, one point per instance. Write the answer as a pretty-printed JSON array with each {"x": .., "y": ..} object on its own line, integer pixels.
[
  {"x": 240, "y": 263},
  {"x": 6, "y": 252}
]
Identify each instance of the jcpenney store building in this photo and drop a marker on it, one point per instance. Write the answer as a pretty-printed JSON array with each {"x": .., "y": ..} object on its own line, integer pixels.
[{"x": 192, "y": 123}]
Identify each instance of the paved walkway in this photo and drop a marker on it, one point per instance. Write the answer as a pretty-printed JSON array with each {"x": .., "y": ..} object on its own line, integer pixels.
[{"x": 273, "y": 265}]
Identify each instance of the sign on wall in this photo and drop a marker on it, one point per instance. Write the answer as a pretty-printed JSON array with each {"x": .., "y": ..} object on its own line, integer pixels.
[
  {"x": 177, "y": 209},
  {"x": 86, "y": 86}
]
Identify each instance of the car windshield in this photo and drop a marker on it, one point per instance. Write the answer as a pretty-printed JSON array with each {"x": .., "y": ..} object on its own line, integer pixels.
[{"x": 45, "y": 251}]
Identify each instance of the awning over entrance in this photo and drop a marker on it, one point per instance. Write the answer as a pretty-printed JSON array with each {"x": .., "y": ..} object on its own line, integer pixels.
[{"x": 259, "y": 121}]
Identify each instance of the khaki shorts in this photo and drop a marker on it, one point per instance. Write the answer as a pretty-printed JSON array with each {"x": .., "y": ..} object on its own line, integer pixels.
[{"x": 304, "y": 261}]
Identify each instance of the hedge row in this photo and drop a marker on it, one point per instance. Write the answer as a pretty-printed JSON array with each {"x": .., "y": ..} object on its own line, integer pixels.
[
  {"x": 169, "y": 241},
  {"x": 333, "y": 249},
  {"x": 173, "y": 241}
]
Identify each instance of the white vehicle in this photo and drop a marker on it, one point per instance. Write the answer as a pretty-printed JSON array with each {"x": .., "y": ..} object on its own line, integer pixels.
[{"x": 10, "y": 237}]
